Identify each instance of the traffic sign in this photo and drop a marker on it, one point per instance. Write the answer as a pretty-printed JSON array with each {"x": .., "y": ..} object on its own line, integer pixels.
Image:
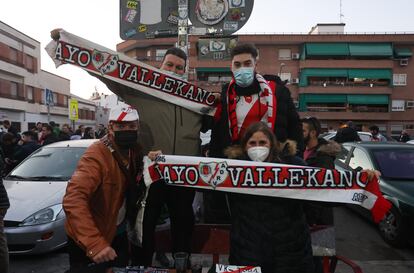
[
  {"x": 49, "y": 97},
  {"x": 73, "y": 110}
]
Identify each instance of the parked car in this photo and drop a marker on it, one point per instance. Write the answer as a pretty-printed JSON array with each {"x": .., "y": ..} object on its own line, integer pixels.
[
  {"x": 35, "y": 220},
  {"x": 364, "y": 136},
  {"x": 410, "y": 141},
  {"x": 395, "y": 161}
]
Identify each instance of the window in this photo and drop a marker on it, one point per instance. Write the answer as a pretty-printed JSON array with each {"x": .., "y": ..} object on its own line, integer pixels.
[
  {"x": 14, "y": 86},
  {"x": 29, "y": 90},
  {"x": 57, "y": 163},
  {"x": 285, "y": 54},
  {"x": 360, "y": 159},
  {"x": 148, "y": 53},
  {"x": 410, "y": 104},
  {"x": 43, "y": 97},
  {"x": 159, "y": 54},
  {"x": 399, "y": 79},
  {"x": 398, "y": 105},
  {"x": 13, "y": 55},
  {"x": 65, "y": 100},
  {"x": 343, "y": 154},
  {"x": 55, "y": 98},
  {"x": 29, "y": 63}
]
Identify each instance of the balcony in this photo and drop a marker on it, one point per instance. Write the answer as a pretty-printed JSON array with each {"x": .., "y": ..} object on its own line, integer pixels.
[
  {"x": 365, "y": 64},
  {"x": 323, "y": 87},
  {"x": 354, "y": 116}
]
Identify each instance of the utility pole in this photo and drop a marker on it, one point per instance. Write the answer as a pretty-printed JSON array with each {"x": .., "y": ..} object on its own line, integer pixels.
[
  {"x": 341, "y": 15},
  {"x": 183, "y": 30}
]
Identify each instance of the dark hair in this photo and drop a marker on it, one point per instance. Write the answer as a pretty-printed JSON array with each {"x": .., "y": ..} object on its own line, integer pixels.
[
  {"x": 48, "y": 127},
  {"x": 52, "y": 123},
  {"x": 261, "y": 127},
  {"x": 374, "y": 128},
  {"x": 176, "y": 52},
  {"x": 8, "y": 137},
  {"x": 6, "y": 122},
  {"x": 244, "y": 48},
  {"x": 313, "y": 124},
  {"x": 30, "y": 134}
]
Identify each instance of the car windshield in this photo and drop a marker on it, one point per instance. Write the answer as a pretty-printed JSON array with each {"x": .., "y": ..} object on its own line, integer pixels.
[
  {"x": 54, "y": 163},
  {"x": 395, "y": 164}
]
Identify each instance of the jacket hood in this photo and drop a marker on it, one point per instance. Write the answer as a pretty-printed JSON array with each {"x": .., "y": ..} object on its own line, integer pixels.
[
  {"x": 330, "y": 147},
  {"x": 286, "y": 148}
]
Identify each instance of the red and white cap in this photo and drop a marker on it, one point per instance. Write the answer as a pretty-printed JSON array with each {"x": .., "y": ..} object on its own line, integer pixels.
[{"x": 123, "y": 113}]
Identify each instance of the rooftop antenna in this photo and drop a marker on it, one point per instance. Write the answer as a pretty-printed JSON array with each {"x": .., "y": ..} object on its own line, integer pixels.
[{"x": 341, "y": 15}]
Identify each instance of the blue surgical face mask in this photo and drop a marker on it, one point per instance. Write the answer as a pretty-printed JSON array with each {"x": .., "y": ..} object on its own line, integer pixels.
[{"x": 244, "y": 76}]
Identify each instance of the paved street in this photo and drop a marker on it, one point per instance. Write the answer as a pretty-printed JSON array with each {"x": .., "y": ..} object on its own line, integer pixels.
[{"x": 356, "y": 239}]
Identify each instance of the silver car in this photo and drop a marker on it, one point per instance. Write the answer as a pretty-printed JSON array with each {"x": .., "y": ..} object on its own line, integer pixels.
[{"x": 34, "y": 223}]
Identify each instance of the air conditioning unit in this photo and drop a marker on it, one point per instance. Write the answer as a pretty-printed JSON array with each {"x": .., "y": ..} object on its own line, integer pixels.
[
  {"x": 410, "y": 104},
  {"x": 295, "y": 56},
  {"x": 295, "y": 80},
  {"x": 403, "y": 62}
]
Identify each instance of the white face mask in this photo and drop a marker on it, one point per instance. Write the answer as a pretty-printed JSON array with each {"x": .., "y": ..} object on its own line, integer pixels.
[{"x": 258, "y": 153}]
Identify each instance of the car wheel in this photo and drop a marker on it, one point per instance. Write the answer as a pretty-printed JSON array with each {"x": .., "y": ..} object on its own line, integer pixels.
[{"x": 392, "y": 229}]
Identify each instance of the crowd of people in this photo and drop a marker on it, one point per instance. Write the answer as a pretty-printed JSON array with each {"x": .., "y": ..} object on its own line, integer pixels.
[
  {"x": 111, "y": 216},
  {"x": 15, "y": 146}
]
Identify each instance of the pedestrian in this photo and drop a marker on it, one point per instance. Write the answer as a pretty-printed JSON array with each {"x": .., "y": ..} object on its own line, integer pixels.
[
  {"x": 26, "y": 146},
  {"x": 9, "y": 147},
  {"x": 404, "y": 136},
  {"x": 89, "y": 133},
  {"x": 39, "y": 127},
  {"x": 102, "y": 196},
  {"x": 322, "y": 154},
  {"x": 10, "y": 128},
  {"x": 268, "y": 232},
  {"x": 248, "y": 98},
  {"x": 375, "y": 134},
  {"x": 4, "y": 253},
  {"x": 65, "y": 133},
  {"x": 346, "y": 133},
  {"x": 251, "y": 97},
  {"x": 101, "y": 131},
  {"x": 48, "y": 136}
]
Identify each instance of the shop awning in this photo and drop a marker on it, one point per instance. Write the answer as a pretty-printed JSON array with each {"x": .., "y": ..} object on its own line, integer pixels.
[
  {"x": 371, "y": 49},
  {"x": 368, "y": 99},
  {"x": 213, "y": 69},
  {"x": 327, "y": 49},
  {"x": 403, "y": 52},
  {"x": 370, "y": 73}
]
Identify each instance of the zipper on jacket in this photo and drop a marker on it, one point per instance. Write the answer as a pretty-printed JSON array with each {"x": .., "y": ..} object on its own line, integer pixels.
[
  {"x": 175, "y": 127},
  {"x": 181, "y": 116}
]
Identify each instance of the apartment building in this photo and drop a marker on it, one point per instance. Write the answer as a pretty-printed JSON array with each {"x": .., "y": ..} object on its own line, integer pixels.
[
  {"x": 23, "y": 84},
  {"x": 332, "y": 75}
]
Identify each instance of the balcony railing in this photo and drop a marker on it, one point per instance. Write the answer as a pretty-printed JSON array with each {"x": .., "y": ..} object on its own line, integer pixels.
[
  {"x": 349, "y": 83},
  {"x": 13, "y": 97}
]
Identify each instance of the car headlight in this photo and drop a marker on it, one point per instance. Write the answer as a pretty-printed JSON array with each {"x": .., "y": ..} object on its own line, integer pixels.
[{"x": 44, "y": 216}]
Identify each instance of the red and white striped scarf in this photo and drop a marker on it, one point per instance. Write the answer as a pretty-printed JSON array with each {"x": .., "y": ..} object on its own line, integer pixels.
[
  {"x": 245, "y": 110},
  {"x": 269, "y": 179}
]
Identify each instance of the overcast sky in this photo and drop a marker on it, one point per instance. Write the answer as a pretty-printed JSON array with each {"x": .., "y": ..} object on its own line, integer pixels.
[{"x": 98, "y": 21}]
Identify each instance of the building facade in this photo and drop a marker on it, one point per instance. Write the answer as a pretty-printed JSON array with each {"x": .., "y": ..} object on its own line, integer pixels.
[
  {"x": 332, "y": 75},
  {"x": 23, "y": 84}
]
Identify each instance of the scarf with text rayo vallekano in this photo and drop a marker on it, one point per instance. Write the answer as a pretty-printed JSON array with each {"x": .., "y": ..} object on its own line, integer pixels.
[
  {"x": 269, "y": 179},
  {"x": 117, "y": 67}
]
